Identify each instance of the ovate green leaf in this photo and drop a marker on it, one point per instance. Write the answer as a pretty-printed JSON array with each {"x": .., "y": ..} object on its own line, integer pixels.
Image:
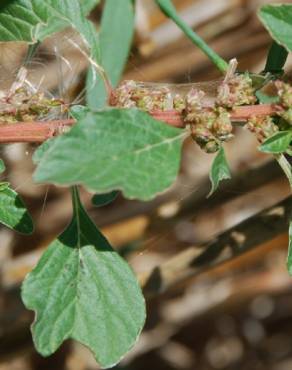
[
  {"x": 100, "y": 200},
  {"x": 278, "y": 143},
  {"x": 116, "y": 33},
  {"x": 277, "y": 18},
  {"x": 219, "y": 171},
  {"x": 82, "y": 289},
  {"x": 13, "y": 212},
  {"x": 117, "y": 149}
]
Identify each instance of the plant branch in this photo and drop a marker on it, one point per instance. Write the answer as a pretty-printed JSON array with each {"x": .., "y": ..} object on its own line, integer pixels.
[
  {"x": 32, "y": 132},
  {"x": 238, "y": 114},
  {"x": 169, "y": 10},
  {"x": 40, "y": 131}
]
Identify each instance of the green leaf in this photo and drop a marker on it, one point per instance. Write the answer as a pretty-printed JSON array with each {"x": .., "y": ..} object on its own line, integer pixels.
[
  {"x": 4, "y": 185},
  {"x": 276, "y": 59},
  {"x": 277, "y": 18},
  {"x": 100, "y": 200},
  {"x": 219, "y": 171},
  {"x": 13, "y": 213},
  {"x": 278, "y": 143},
  {"x": 2, "y": 166},
  {"x": 78, "y": 111},
  {"x": 116, "y": 149},
  {"x": 82, "y": 289},
  {"x": 42, "y": 149},
  {"x": 116, "y": 33},
  {"x": 88, "y": 5},
  {"x": 34, "y": 20}
]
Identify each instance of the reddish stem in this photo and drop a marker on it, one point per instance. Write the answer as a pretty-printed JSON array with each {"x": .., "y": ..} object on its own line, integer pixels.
[
  {"x": 37, "y": 132},
  {"x": 238, "y": 114},
  {"x": 32, "y": 132}
]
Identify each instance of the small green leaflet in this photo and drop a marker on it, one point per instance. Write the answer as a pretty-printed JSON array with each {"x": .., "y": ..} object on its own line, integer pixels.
[
  {"x": 277, "y": 18},
  {"x": 115, "y": 38},
  {"x": 2, "y": 166},
  {"x": 116, "y": 149},
  {"x": 13, "y": 213},
  {"x": 100, "y": 200},
  {"x": 278, "y": 143},
  {"x": 82, "y": 289},
  {"x": 289, "y": 257},
  {"x": 219, "y": 170}
]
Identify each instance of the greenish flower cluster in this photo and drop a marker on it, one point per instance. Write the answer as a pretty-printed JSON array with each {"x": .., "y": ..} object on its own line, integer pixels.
[
  {"x": 24, "y": 103},
  {"x": 285, "y": 94}
]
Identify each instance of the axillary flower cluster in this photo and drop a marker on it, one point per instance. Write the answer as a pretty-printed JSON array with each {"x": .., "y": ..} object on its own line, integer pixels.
[
  {"x": 210, "y": 123},
  {"x": 23, "y": 102}
]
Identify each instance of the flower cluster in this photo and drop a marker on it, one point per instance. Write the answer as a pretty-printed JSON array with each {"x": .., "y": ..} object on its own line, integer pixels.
[
  {"x": 236, "y": 90},
  {"x": 285, "y": 94},
  {"x": 22, "y": 102},
  {"x": 210, "y": 124},
  {"x": 262, "y": 126},
  {"x": 132, "y": 94}
]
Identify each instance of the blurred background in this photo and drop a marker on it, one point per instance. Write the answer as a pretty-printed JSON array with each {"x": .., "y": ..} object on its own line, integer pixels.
[{"x": 214, "y": 312}]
